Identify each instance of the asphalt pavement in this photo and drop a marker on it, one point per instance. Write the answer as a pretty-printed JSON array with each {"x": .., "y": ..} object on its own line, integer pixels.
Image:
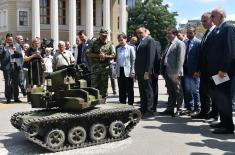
[{"x": 157, "y": 135}]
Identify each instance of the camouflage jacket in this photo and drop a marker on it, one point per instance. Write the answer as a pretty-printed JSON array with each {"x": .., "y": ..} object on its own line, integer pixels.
[{"x": 98, "y": 47}]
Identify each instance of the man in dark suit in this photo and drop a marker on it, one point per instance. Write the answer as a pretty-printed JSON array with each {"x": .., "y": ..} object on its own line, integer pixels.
[
  {"x": 156, "y": 71},
  {"x": 10, "y": 68},
  {"x": 205, "y": 98},
  {"x": 219, "y": 62},
  {"x": 145, "y": 56},
  {"x": 81, "y": 56}
]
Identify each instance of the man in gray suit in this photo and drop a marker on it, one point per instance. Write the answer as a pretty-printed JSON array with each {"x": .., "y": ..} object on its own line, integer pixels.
[
  {"x": 10, "y": 68},
  {"x": 172, "y": 70},
  {"x": 19, "y": 61}
]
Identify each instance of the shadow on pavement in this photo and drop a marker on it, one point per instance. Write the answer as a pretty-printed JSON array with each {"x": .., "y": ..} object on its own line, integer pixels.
[
  {"x": 216, "y": 144},
  {"x": 17, "y": 144},
  {"x": 183, "y": 125}
]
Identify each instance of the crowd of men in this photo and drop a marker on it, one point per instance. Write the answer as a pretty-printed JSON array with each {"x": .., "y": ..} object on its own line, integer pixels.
[{"x": 199, "y": 74}]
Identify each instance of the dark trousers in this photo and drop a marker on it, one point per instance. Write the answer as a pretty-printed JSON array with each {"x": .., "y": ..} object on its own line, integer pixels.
[
  {"x": 113, "y": 84},
  {"x": 126, "y": 88},
  {"x": 206, "y": 100},
  {"x": 155, "y": 90},
  {"x": 204, "y": 96},
  {"x": 175, "y": 92},
  {"x": 22, "y": 82},
  {"x": 146, "y": 92},
  {"x": 11, "y": 78},
  {"x": 221, "y": 94}
]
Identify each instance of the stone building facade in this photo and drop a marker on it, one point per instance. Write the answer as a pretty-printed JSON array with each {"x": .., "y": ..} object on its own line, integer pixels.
[{"x": 62, "y": 19}]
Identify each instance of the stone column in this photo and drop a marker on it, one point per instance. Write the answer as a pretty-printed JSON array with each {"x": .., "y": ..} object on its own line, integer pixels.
[
  {"x": 54, "y": 22},
  {"x": 106, "y": 15},
  {"x": 72, "y": 22},
  {"x": 122, "y": 16},
  {"x": 35, "y": 18},
  {"x": 89, "y": 18}
]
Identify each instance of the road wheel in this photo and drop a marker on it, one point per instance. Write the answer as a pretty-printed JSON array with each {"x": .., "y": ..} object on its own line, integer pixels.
[
  {"x": 55, "y": 138},
  {"x": 116, "y": 129},
  {"x": 33, "y": 129},
  {"x": 97, "y": 132},
  {"x": 77, "y": 135}
]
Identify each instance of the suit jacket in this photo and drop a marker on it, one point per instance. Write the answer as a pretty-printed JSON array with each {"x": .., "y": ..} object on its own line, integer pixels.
[
  {"x": 157, "y": 60},
  {"x": 20, "y": 60},
  {"x": 191, "y": 64},
  {"x": 129, "y": 61},
  {"x": 145, "y": 56},
  {"x": 81, "y": 49},
  {"x": 5, "y": 56},
  {"x": 219, "y": 50},
  {"x": 175, "y": 58},
  {"x": 205, "y": 46}
]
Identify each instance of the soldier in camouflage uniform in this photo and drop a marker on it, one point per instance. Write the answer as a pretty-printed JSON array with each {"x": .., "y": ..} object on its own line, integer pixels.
[{"x": 100, "y": 51}]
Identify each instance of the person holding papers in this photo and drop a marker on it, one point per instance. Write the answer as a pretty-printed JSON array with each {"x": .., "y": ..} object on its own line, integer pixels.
[{"x": 219, "y": 70}]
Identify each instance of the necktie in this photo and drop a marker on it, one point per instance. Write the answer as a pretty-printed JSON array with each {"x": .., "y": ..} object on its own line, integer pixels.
[
  {"x": 79, "y": 54},
  {"x": 187, "y": 50},
  {"x": 137, "y": 48},
  {"x": 162, "y": 65},
  {"x": 166, "y": 51},
  {"x": 186, "y": 57},
  {"x": 205, "y": 36}
]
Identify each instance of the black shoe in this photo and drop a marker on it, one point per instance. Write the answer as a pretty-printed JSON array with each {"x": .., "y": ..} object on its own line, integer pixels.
[
  {"x": 178, "y": 113},
  {"x": 18, "y": 101},
  {"x": 142, "y": 111},
  {"x": 167, "y": 112},
  {"x": 186, "y": 112},
  {"x": 223, "y": 131},
  {"x": 8, "y": 102},
  {"x": 199, "y": 116},
  {"x": 147, "y": 114},
  {"x": 24, "y": 94},
  {"x": 153, "y": 109},
  {"x": 211, "y": 120},
  {"x": 216, "y": 125},
  {"x": 194, "y": 112}
]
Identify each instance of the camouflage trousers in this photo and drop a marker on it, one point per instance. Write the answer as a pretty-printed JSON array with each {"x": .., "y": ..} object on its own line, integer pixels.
[{"x": 99, "y": 78}]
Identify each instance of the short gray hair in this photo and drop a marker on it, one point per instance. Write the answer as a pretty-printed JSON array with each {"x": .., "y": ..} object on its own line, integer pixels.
[
  {"x": 220, "y": 11},
  {"x": 61, "y": 42}
]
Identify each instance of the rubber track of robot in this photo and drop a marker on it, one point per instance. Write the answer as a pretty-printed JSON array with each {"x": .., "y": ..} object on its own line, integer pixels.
[{"x": 92, "y": 115}]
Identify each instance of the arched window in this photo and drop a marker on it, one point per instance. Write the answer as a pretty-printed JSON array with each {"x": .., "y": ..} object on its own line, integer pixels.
[{"x": 44, "y": 11}]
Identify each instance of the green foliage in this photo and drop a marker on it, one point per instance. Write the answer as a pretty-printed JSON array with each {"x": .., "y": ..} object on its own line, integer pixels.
[{"x": 154, "y": 15}]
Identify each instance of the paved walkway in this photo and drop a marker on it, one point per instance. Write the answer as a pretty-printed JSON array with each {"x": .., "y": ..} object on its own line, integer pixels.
[{"x": 158, "y": 135}]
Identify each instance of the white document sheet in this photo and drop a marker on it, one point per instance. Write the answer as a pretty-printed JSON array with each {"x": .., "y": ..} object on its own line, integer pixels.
[{"x": 219, "y": 80}]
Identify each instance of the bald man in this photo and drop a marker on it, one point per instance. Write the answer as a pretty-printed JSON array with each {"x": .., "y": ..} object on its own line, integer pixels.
[{"x": 62, "y": 58}]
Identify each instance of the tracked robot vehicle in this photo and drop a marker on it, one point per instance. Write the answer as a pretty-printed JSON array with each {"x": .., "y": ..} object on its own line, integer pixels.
[{"x": 71, "y": 115}]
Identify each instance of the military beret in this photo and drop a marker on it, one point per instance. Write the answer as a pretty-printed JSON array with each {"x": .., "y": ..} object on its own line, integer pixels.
[{"x": 104, "y": 31}]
